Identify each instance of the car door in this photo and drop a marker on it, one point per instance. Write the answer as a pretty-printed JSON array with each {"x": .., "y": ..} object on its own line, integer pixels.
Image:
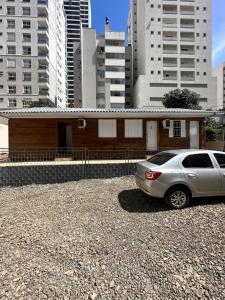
[
  {"x": 220, "y": 158},
  {"x": 202, "y": 175}
]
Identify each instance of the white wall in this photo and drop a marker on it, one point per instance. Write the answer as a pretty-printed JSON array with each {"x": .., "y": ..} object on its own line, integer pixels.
[
  {"x": 4, "y": 141},
  {"x": 88, "y": 60}
]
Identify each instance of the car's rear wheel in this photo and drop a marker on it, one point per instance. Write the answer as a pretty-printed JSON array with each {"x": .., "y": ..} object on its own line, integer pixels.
[{"x": 178, "y": 197}]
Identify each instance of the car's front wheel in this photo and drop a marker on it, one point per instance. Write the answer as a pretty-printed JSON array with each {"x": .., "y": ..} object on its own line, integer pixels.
[{"x": 178, "y": 197}]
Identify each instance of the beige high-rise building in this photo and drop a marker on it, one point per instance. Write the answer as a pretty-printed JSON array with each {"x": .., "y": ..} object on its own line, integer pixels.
[
  {"x": 171, "y": 48},
  {"x": 219, "y": 73}
]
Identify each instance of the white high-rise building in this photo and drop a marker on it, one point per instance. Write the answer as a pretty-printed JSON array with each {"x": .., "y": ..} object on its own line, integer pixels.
[
  {"x": 171, "y": 48},
  {"x": 32, "y": 53},
  {"x": 78, "y": 15},
  {"x": 219, "y": 73},
  {"x": 100, "y": 71}
]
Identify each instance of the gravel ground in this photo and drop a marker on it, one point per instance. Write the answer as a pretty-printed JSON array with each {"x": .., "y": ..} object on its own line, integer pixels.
[{"x": 104, "y": 239}]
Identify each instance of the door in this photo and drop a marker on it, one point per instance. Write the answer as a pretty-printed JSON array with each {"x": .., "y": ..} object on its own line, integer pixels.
[
  {"x": 202, "y": 175},
  {"x": 152, "y": 136},
  {"x": 65, "y": 136},
  {"x": 220, "y": 158},
  {"x": 194, "y": 134}
]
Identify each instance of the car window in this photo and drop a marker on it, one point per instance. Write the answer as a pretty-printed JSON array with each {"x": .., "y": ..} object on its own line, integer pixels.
[
  {"x": 220, "y": 159},
  {"x": 161, "y": 158},
  {"x": 201, "y": 161}
]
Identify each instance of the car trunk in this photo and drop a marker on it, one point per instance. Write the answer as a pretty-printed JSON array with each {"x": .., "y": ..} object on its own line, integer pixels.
[{"x": 144, "y": 166}]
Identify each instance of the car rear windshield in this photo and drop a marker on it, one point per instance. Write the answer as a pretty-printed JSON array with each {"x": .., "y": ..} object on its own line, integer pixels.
[{"x": 161, "y": 158}]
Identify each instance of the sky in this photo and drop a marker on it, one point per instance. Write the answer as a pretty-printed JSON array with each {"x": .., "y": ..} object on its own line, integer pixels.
[{"x": 117, "y": 11}]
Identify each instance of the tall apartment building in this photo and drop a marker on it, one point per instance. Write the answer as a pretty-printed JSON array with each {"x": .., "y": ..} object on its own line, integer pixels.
[
  {"x": 78, "y": 15},
  {"x": 100, "y": 71},
  {"x": 171, "y": 48},
  {"x": 219, "y": 73},
  {"x": 32, "y": 53}
]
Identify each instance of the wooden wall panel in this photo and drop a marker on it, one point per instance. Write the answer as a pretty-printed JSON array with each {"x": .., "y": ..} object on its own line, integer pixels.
[{"x": 42, "y": 133}]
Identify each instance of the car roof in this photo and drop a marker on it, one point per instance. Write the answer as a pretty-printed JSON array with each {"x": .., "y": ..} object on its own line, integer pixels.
[{"x": 193, "y": 151}]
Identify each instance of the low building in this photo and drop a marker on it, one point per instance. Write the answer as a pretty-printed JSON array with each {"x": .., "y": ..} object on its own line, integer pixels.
[{"x": 149, "y": 129}]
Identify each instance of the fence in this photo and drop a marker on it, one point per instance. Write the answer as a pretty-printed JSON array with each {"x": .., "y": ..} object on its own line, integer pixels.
[{"x": 42, "y": 166}]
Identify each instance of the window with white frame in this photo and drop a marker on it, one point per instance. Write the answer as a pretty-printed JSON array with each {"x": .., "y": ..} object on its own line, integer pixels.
[
  {"x": 107, "y": 129},
  {"x": 11, "y": 63},
  {"x": 26, "y": 24},
  {"x": 12, "y": 102},
  {"x": 11, "y": 36},
  {"x": 11, "y": 50},
  {"x": 12, "y": 89},
  {"x": 133, "y": 128},
  {"x": 27, "y": 63},
  {"x": 26, "y": 50},
  {"x": 27, "y": 89},
  {"x": 11, "y": 76},
  {"x": 26, "y": 76},
  {"x": 177, "y": 129}
]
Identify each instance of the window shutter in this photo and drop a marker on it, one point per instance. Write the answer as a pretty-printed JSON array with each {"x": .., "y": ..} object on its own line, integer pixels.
[
  {"x": 183, "y": 129},
  {"x": 133, "y": 129},
  {"x": 171, "y": 129},
  {"x": 107, "y": 128}
]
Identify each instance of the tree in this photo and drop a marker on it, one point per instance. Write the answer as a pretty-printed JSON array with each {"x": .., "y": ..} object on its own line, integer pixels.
[{"x": 181, "y": 99}]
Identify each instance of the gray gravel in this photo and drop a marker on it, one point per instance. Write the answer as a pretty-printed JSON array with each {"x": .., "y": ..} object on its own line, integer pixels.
[{"x": 104, "y": 239}]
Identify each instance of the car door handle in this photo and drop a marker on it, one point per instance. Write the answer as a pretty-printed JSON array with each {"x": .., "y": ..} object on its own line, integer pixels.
[
  {"x": 223, "y": 174},
  {"x": 192, "y": 176}
]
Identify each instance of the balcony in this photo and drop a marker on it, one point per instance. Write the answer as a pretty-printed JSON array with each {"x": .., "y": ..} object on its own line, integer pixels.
[
  {"x": 187, "y": 10},
  {"x": 187, "y": 23},
  {"x": 187, "y": 76},
  {"x": 169, "y": 22},
  {"x": 170, "y": 9},
  {"x": 169, "y": 75},
  {"x": 42, "y": 52},
  {"x": 43, "y": 12},
  {"x": 43, "y": 78},
  {"x": 42, "y": 65},
  {"x": 169, "y": 62},
  {"x": 187, "y": 36},
  {"x": 43, "y": 91},
  {"x": 169, "y": 36},
  {"x": 43, "y": 39},
  {"x": 187, "y": 63},
  {"x": 187, "y": 49},
  {"x": 169, "y": 49},
  {"x": 42, "y": 2}
]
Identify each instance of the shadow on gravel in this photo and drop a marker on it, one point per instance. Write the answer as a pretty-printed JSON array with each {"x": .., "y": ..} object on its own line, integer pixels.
[{"x": 136, "y": 201}]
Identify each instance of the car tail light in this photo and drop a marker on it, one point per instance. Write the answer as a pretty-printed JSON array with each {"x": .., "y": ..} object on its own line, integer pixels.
[{"x": 152, "y": 175}]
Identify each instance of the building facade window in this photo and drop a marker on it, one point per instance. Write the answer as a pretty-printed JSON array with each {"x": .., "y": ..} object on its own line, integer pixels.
[
  {"x": 12, "y": 89},
  {"x": 12, "y": 102},
  {"x": 27, "y": 90}
]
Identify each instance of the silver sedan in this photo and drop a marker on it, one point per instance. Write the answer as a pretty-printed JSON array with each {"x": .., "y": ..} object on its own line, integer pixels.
[{"x": 179, "y": 175}]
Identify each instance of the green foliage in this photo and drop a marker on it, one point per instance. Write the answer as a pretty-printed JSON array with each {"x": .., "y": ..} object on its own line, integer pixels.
[
  {"x": 181, "y": 99},
  {"x": 31, "y": 104}
]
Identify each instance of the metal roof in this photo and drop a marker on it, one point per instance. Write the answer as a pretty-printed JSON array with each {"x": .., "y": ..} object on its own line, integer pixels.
[{"x": 93, "y": 112}]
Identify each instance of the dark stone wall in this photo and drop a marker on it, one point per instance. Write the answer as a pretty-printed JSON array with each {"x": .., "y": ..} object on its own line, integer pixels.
[{"x": 49, "y": 174}]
